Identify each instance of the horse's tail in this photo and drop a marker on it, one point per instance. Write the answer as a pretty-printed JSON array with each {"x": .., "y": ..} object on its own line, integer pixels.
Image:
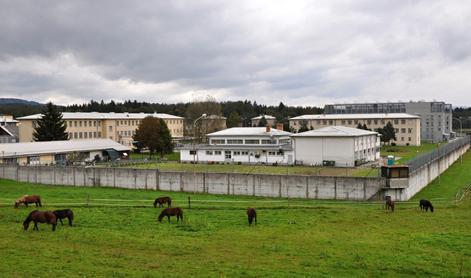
[
  {"x": 39, "y": 201},
  {"x": 155, "y": 203}
]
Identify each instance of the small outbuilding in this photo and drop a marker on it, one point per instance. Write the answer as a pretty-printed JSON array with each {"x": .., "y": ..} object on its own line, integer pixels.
[
  {"x": 338, "y": 146},
  {"x": 61, "y": 152}
]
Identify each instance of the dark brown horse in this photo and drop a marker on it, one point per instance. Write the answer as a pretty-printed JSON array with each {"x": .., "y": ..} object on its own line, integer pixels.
[
  {"x": 28, "y": 199},
  {"x": 161, "y": 201},
  {"x": 171, "y": 212},
  {"x": 64, "y": 213},
  {"x": 252, "y": 215},
  {"x": 425, "y": 205},
  {"x": 390, "y": 204},
  {"x": 40, "y": 217}
]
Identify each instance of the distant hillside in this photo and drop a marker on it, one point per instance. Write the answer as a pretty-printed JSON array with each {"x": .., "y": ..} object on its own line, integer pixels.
[{"x": 14, "y": 101}]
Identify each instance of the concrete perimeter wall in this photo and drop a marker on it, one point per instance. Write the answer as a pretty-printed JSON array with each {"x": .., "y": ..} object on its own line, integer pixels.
[
  {"x": 310, "y": 187},
  {"x": 426, "y": 174}
]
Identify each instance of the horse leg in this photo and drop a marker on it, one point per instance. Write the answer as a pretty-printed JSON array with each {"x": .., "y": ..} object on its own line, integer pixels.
[
  {"x": 60, "y": 219},
  {"x": 70, "y": 221},
  {"x": 168, "y": 216},
  {"x": 54, "y": 227},
  {"x": 36, "y": 226}
]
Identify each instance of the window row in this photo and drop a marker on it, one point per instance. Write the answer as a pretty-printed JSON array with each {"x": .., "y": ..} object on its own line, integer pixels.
[{"x": 84, "y": 135}]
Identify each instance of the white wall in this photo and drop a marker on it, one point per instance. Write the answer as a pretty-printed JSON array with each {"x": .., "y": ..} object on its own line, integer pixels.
[
  {"x": 314, "y": 150},
  {"x": 202, "y": 157}
]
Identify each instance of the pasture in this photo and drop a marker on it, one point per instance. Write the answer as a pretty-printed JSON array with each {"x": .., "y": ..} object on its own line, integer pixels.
[{"x": 116, "y": 233}]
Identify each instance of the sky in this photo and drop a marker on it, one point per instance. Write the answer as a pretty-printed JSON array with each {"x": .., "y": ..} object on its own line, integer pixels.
[{"x": 311, "y": 53}]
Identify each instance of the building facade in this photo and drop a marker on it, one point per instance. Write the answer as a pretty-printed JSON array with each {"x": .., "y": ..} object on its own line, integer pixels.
[
  {"x": 8, "y": 129},
  {"x": 436, "y": 116},
  {"x": 270, "y": 120},
  {"x": 407, "y": 126},
  {"x": 60, "y": 152},
  {"x": 119, "y": 127},
  {"x": 336, "y": 146},
  {"x": 248, "y": 145}
]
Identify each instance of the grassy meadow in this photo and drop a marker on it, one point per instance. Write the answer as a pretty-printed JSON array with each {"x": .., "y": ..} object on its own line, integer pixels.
[{"x": 116, "y": 234}]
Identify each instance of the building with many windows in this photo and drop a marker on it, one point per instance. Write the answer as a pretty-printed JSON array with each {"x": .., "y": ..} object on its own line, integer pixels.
[
  {"x": 436, "y": 116},
  {"x": 119, "y": 127},
  {"x": 337, "y": 146},
  {"x": 407, "y": 126},
  {"x": 251, "y": 145}
]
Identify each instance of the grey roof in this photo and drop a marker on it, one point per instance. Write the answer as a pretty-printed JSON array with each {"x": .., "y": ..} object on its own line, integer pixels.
[
  {"x": 356, "y": 116},
  {"x": 268, "y": 117},
  {"x": 335, "y": 131},
  {"x": 53, "y": 147},
  {"x": 249, "y": 131},
  {"x": 103, "y": 116}
]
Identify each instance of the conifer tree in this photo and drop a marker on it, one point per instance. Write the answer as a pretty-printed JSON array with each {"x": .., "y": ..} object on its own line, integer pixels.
[{"x": 51, "y": 126}]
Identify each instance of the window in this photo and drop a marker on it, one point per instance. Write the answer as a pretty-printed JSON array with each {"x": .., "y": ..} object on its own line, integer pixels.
[
  {"x": 235, "y": 141},
  {"x": 271, "y": 153},
  {"x": 396, "y": 122},
  {"x": 245, "y": 153},
  {"x": 410, "y": 130},
  {"x": 90, "y": 134},
  {"x": 94, "y": 123},
  {"x": 75, "y": 135},
  {"x": 75, "y": 123},
  {"x": 84, "y": 123},
  {"x": 227, "y": 154},
  {"x": 192, "y": 152},
  {"x": 85, "y": 135},
  {"x": 403, "y": 130},
  {"x": 252, "y": 141},
  {"x": 218, "y": 141},
  {"x": 99, "y": 134},
  {"x": 403, "y": 122},
  {"x": 33, "y": 160},
  {"x": 267, "y": 141},
  {"x": 402, "y": 138},
  {"x": 236, "y": 153},
  {"x": 209, "y": 152},
  {"x": 110, "y": 128},
  {"x": 80, "y": 123},
  {"x": 284, "y": 141},
  {"x": 80, "y": 135},
  {"x": 217, "y": 152},
  {"x": 94, "y": 134},
  {"x": 410, "y": 139}
]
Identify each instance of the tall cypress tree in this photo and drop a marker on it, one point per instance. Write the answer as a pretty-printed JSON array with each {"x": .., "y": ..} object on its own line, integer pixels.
[{"x": 51, "y": 126}]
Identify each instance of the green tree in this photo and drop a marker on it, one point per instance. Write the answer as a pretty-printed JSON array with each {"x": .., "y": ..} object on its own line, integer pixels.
[
  {"x": 263, "y": 122},
  {"x": 154, "y": 134},
  {"x": 303, "y": 127},
  {"x": 51, "y": 126},
  {"x": 233, "y": 120},
  {"x": 388, "y": 133}
]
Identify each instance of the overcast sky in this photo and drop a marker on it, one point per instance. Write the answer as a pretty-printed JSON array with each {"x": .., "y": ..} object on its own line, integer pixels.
[{"x": 298, "y": 52}]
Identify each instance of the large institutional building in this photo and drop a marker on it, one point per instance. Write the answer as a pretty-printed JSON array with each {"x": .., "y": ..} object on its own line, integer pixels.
[
  {"x": 119, "y": 127},
  {"x": 436, "y": 124},
  {"x": 8, "y": 129},
  {"x": 407, "y": 126}
]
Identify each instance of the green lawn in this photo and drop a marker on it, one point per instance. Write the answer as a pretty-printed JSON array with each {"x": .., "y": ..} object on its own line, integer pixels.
[
  {"x": 117, "y": 234},
  {"x": 406, "y": 153},
  {"x": 175, "y": 156},
  {"x": 260, "y": 169}
]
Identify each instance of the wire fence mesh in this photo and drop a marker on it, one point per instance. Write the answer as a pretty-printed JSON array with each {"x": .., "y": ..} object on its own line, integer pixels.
[{"x": 441, "y": 151}]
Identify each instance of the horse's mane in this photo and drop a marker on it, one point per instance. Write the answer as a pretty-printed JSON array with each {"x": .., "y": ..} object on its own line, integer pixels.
[{"x": 22, "y": 198}]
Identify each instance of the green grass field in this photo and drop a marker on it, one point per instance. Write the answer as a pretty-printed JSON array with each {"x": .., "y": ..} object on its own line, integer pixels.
[
  {"x": 406, "y": 153},
  {"x": 116, "y": 234}
]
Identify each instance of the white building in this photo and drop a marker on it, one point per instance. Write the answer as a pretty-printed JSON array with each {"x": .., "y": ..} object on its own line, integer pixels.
[
  {"x": 59, "y": 152},
  {"x": 338, "y": 146},
  {"x": 251, "y": 145}
]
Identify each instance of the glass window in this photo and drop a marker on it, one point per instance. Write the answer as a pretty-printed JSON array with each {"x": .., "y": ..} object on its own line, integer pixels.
[
  {"x": 235, "y": 141},
  {"x": 217, "y": 152},
  {"x": 252, "y": 141}
]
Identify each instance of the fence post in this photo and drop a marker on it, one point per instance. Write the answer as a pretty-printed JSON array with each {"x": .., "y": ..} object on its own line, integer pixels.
[{"x": 189, "y": 202}]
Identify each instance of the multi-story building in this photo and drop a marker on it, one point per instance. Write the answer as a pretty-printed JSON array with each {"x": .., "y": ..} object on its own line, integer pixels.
[
  {"x": 8, "y": 129},
  {"x": 251, "y": 145},
  {"x": 338, "y": 146},
  {"x": 436, "y": 124},
  {"x": 119, "y": 127},
  {"x": 270, "y": 120},
  {"x": 407, "y": 126}
]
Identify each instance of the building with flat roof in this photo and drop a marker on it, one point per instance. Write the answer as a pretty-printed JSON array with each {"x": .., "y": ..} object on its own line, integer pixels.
[
  {"x": 337, "y": 146},
  {"x": 60, "y": 152},
  {"x": 436, "y": 116},
  {"x": 270, "y": 120},
  {"x": 407, "y": 126},
  {"x": 250, "y": 145},
  {"x": 119, "y": 127}
]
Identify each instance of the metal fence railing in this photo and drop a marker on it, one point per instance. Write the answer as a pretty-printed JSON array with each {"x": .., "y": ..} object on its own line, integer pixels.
[{"x": 441, "y": 151}]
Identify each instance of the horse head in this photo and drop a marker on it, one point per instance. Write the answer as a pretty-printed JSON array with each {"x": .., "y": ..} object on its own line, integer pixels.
[{"x": 26, "y": 224}]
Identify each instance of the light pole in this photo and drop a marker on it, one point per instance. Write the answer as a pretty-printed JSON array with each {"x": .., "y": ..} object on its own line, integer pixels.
[
  {"x": 194, "y": 135},
  {"x": 461, "y": 125}
]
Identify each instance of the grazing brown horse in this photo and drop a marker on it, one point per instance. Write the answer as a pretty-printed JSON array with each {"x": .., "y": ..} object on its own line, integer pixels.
[
  {"x": 390, "y": 204},
  {"x": 163, "y": 200},
  {"x": 40, "y": 217},
  {"x": 28, "y": 199},
  {"x": 171, "y": 212},
  {"x": 252, "y": 215},
  {"x": 425, "y": 205},
  {"x": 64, "y": 213}
]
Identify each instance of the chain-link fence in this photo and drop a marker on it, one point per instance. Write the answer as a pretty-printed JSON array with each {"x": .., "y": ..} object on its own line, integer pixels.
[{"x": 442, "y": 150}]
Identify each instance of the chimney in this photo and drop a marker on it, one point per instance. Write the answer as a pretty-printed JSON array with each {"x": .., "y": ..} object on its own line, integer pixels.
[{"x": 279, "y": 126}]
